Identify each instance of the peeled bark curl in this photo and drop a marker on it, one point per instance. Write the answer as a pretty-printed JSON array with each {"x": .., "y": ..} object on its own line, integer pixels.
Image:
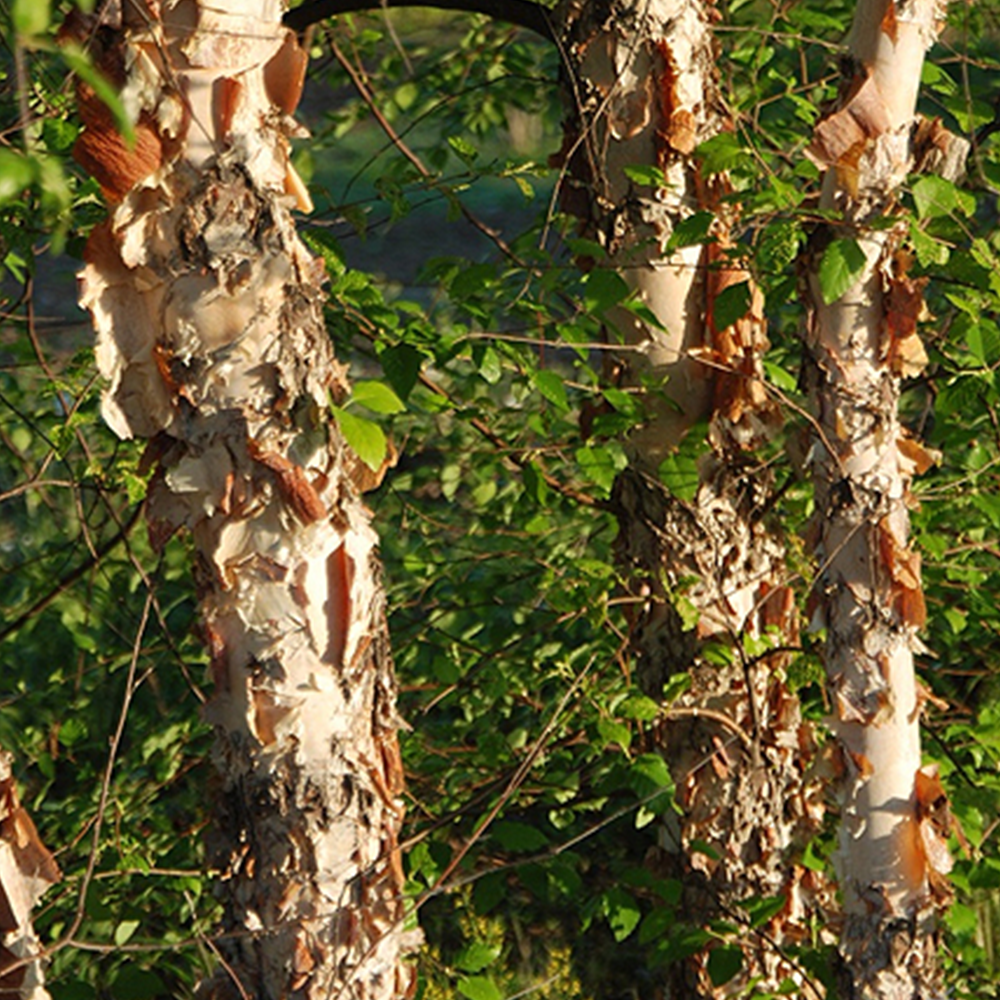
[
  {"x": 27, "y": 869},
  {"x": 642, "y": 92},
  {"x": 210, "y": 332}
]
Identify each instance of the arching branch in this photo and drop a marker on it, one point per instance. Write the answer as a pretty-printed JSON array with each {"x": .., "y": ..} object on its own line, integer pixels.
[{"x": 523, "y": 13}]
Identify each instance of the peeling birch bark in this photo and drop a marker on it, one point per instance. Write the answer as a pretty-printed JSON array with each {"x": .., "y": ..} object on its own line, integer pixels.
[
  {"x": 208, "y": 313},
  {"x": 644, "y": 94},
  {"x": 27, "y": 869},
  {"x": 893, "y": 856}
]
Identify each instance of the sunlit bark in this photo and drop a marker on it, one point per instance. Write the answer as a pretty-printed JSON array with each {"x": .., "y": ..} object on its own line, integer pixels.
[
  {"x": 643, "y": 95},
  {"x": 210, "y": 332},
  {"x": 27, "y": 869},
  {"x": 893, "y": 857}
]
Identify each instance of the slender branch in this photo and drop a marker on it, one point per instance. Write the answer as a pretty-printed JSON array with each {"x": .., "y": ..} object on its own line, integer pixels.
[
  {"x": 523, "y": 13},
  {"x": 70, "y": 578}
]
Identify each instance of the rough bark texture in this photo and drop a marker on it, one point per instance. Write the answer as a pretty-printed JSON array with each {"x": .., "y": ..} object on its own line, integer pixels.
[
  {"x": 27, "y": 869},
  {"x": 894, "y": 859},
  {"x": 644, "y": 94},
  {"x": 208, "y": 313}
]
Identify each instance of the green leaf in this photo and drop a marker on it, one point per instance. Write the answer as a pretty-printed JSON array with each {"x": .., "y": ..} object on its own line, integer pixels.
[
  {"x": 479, "y": 988},
  {"x": 406, "y": 94},
  {"x": 781, "y": 377},
  {"x": 731, "y": 304},
  {"x": 657, "y": 924},
  {"x": 983, "y": 339},
  {"x": 488, "y": 891},
  {"x": 761, "y": 910},
  {"x": 603, "y": 289},
  {"x": 550, "y": 384},
  {"x": 476, "y": 956},
  {"x": 722, "y": 152},
  {"x": 364, "y": 436},
  {"x": 377, "y": 397},
  {"x": 401, "y": 365},
  {"x": 676, "y": 686},
  {"x": 724, "y": 963},
  {"x": 614, "y": 733},
  {"x": 490, "y": 367},
  {"x": 934, "y": 197},
  {"x": 622, "y": 912},
  {"x": 17, "y": 173},
  {"x": 601, "y": 463},
  {"x": 841, "y": 266},
  {"x": 134, "y": 983},
  {"x": 58, "y": 134},
  {"x": 516, "y": 836},
  {"x": 534, "y": 483},
  {"x": 464, "y": 149},
  {"x": 679, "y": 473},
  {"x": 646, "y": 176},
  {"x": 649, "y": 774},
  {"x": 31, "y": 17},
  {"x": 626, "y": 403},
  {"x": 125, "y": 930},
  {"x": 694, "y": 229},
  {"x": 638, "y": 706}
]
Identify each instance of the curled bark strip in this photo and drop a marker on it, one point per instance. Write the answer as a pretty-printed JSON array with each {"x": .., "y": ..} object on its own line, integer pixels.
[{"x": 292, "y": 481}]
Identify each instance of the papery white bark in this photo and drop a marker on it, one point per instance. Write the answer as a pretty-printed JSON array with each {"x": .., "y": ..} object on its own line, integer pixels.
[
  {"x": 208, "y": 314},
  {"x": 27, "y": 869},
  {"x": 893, "y": 861}
]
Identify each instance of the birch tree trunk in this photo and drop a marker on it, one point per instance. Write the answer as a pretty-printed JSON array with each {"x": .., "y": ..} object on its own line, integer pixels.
[
  {"x": 862, "y": 342},
  {"x": 27, "y": 869},
  {"x": 643, "y": 94},
  {"x": 210, "y": 332}
]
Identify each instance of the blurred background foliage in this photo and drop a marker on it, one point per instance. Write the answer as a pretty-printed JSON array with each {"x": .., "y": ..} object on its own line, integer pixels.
[{"x": 534, "y": 792}]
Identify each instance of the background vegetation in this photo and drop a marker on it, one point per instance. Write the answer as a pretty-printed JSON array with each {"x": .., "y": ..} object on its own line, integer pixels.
[{"x": 475, "y": 343}]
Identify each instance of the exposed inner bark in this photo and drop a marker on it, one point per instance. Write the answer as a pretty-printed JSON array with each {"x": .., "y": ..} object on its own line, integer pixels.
[{"x": 210, "y": 332}]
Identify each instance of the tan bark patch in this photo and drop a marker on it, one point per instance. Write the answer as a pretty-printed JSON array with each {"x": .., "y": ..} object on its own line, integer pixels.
[
  {"x": 889, "y": 26},
  {"x": 678, "y": 125},
  {"x": 902, "y": 347},
  {"x": 105, "y": 154},
  {"x": 285, "y": 74},
  {"x": 903, "y": 566},
  {"x": 918, "y": 457},
  {"x": 292, "y": 482},
  {"x": 861, "y": 118},
  {"x": 340, "y": 577}
]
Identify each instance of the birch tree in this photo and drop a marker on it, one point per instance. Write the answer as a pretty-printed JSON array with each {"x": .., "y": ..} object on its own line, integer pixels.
[
  {"x": 706, "y": 570},
  {"x": 861, "y": 335},
  {"x": 207, "y": 309}
]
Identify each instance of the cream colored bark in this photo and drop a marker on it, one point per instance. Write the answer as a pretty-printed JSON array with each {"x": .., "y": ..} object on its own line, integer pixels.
[
  {"x": 643, "y": 95},
  {"x": 208, "y": 312},
  {"x": 893, "y": 859},
  {"x": 27, "y": 869}
]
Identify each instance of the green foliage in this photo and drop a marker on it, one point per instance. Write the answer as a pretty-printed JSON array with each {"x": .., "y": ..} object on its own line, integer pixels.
[{"x": 531, "y": 752}]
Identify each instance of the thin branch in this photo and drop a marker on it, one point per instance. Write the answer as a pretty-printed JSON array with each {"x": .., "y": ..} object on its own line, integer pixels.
[
  {"x": 523, "y": 13},
  {"x": 67, "y": 581}
]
